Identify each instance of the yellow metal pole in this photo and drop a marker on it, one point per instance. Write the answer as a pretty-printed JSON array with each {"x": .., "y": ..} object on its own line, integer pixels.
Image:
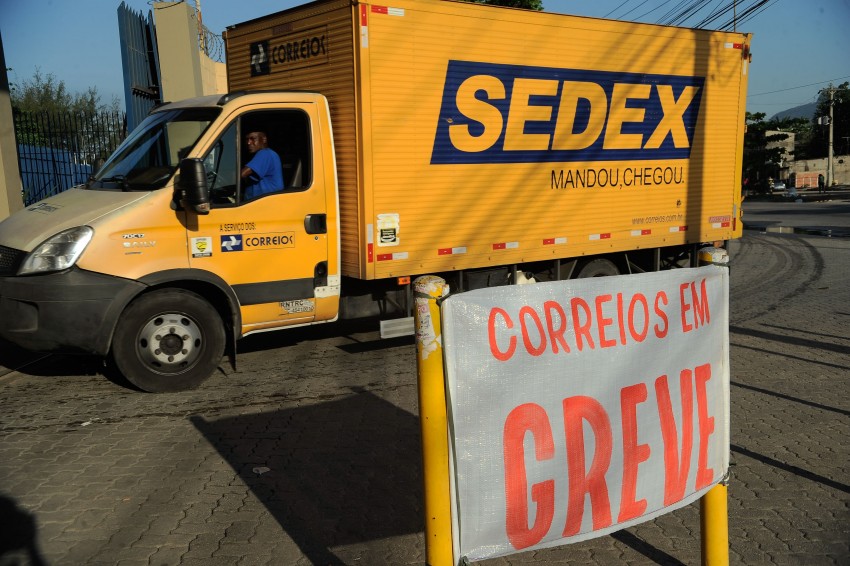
[
  {"x": 433, "y": 420},
  {"x": 714, "y": 524}
]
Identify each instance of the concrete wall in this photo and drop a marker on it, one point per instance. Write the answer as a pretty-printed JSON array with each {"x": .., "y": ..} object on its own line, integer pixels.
[
  {"x": 184, "y": 70},
  {"x": 10, "y": 176},
  {"x": 806, "y": 170},
  {"x": 811, "y": 167}
]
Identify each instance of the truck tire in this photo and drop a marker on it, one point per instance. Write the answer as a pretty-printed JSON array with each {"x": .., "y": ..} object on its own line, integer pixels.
[
  {"x": 598, "y": 268},
  {"x": 168, "y": 340}
]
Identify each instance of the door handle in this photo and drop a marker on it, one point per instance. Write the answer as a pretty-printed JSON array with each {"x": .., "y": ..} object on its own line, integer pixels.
[{"x": 316, "y": 223}]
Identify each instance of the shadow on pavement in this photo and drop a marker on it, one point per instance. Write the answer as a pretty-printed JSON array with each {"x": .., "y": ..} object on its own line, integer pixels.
[
  {"x": 38, "y": 364},
  {"x": 12, "y": 357},
  {"x": 18, "y": 535},
  {"x": 803, "y": 473},
  {"x": 349, "y": 329},
  {"x": 341, "y": 472},
  {"x": 657, "y": 556},
  {"x": 793, "y": 340}
]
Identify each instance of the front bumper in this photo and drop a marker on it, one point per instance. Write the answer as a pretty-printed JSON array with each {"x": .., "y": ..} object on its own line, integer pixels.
[{"x": 69, "y": 311}]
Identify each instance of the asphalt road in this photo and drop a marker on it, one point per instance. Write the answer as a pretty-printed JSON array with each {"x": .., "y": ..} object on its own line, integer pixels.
[
  {"x": 827, "y": 215},
  {"x": 309, "y": 452}
]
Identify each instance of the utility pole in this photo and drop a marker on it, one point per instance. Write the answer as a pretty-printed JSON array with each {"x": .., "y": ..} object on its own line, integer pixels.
[
  {"x": 829, "y": 172},
  {"x": 828, "y": 121}
]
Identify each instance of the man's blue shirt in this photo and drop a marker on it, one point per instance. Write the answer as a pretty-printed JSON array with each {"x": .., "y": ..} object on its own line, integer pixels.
[{"x": 267, "y": 176}]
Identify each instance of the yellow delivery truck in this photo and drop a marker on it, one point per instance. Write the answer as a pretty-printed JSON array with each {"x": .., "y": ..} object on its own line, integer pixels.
[{"x": 490, "y": 145}]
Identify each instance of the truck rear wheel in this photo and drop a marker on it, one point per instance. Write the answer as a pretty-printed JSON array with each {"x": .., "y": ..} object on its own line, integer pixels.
[
  {"x": 168, "y": 340},
  {"x": 598, "y": 268}
]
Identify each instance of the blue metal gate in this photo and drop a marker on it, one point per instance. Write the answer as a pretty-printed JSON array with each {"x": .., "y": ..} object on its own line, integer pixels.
[
  {"x": 139, "y": 58},
  {"x": 57, "y": 150}
]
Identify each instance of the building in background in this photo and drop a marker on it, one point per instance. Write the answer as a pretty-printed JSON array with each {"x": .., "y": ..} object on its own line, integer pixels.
[
  {"x": 803, "y": 173},
  {"x": 783, "y": 167}
]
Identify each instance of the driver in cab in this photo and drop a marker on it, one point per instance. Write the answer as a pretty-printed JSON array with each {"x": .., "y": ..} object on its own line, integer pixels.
[{"x": 263, "y": 174}]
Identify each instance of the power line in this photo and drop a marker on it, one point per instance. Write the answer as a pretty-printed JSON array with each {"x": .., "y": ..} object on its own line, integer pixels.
[
  {"x": 748, "y": 13},
  {"x": 686, "y": 12},
  {"x": 700, "y": 13},
  {"x": 796, "y": 87},
  {"x": 715, "y": 14},
  {"x": 635, "y": 8},
  {"x": 617, "y": 8},
  {"x": 656, "y": 8}
]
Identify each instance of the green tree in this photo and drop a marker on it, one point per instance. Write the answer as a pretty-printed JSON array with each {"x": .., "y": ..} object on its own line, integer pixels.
[
  {"x": 802, "y": 130},
  {"x": 47, "y": 114},
  {"x": 526, "y": 4},
  {"x": 45, "y": 93},
  {"x": 761, "y": 162}
]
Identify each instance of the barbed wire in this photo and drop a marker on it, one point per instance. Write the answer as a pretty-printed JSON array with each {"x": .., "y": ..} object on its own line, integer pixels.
[
  {"x": 209, "y": 43},
  {"x": 212, "y": 45}
]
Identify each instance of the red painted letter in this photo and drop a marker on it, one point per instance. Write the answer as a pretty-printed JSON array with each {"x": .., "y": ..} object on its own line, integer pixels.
[
  {"x": 491, "y": 334},
  {"x": 702, "y": 314},
  {"x": 633, "y": 453},
  {"x": 577, "y": 303},
  {"x": 603, "y": 322},
  {"x": 556, "y": 335},
  {"x": 685, "y": 306},
  {"x": 661, "y": 297},
  {"x": 621, "y": 319},
  {"x": 525, "y": 313},
  {"x": 638, "y": 335},
  {"x": 527, "y": 418},
  {"x": 676, "y": 466},
  {"x": 706, "y": 427},
  {"x": 576, "y": 410}
]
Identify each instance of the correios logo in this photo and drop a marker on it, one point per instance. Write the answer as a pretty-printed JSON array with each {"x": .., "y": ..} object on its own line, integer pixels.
[
  {"x": 260, "y": 58},
  {"x": 288, "y": 51},
  {"x": 517, "y": 114}
]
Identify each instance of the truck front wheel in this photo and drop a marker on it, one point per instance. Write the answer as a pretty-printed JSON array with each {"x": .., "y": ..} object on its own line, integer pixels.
[{"x": 168, "y": 340}]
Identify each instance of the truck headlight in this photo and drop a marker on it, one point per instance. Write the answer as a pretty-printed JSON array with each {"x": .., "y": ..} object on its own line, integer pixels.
[{"x": 57, "y": 252}]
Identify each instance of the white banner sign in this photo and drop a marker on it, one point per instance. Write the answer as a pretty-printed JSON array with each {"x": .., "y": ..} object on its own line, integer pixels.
[{"x": 582, "y": 407}]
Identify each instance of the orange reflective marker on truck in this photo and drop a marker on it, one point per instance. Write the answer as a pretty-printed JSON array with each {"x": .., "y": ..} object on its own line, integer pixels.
[{"x": 610, "y": 147}]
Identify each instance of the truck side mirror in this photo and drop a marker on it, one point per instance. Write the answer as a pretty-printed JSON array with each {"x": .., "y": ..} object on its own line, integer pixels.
[{"x": 193, "y": 181}]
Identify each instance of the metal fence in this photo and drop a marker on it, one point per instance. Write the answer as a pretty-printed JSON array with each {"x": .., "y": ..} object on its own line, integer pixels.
[{"x": 57, "y": 151}]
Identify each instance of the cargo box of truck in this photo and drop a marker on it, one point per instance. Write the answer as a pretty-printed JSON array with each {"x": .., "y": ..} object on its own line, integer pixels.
[{"x": 470, "y": 135}]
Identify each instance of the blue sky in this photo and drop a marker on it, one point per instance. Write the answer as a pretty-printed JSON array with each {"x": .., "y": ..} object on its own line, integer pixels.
[{"x": 798, "y": 46}]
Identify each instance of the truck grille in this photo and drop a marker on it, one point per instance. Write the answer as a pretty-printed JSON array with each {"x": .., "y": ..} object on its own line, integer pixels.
[{"x": 10, "y": 260}]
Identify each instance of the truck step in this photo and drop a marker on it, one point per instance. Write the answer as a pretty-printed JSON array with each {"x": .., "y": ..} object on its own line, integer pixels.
[{"x": 396, "y": 327}]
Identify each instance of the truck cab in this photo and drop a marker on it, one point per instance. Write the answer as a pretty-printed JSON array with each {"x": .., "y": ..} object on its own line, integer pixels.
[{"x": 162, "y": 258}]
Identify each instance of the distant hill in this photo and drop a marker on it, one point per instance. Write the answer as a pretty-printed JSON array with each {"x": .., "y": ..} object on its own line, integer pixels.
[{"x": 806, "y": 111}]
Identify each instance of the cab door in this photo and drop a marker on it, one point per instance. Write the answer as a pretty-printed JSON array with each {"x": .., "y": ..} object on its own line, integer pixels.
[{"x": 272, "y": 249}]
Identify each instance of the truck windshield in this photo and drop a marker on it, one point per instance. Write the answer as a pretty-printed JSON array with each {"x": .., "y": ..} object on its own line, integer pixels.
[{"x": 148, "y": 158}]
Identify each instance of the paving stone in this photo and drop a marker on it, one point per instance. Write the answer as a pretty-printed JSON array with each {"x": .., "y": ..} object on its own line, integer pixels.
[
  {"x": 167, "y": 556},
  {"x": 168, "y": 480}
]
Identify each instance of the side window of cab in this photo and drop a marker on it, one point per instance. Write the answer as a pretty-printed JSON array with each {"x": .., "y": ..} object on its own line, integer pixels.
[
  {"x": 220, "y": 165},
  {"x": 261, "y": 153}
]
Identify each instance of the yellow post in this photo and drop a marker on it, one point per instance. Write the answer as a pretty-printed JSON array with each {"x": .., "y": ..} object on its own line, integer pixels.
[
  {"x": 433, "y": 420},
  {"x": 714, "y": 524},
  {"x": 714, "y": 515}
]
